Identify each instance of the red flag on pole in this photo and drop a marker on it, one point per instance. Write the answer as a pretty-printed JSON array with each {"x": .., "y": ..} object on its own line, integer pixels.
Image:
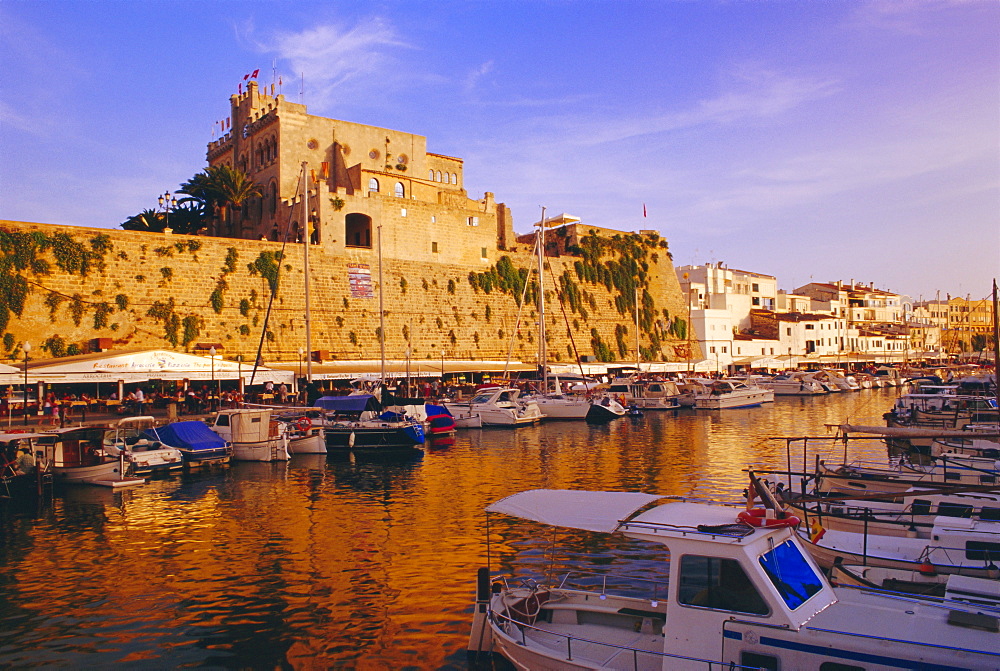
[
  {"x": 644, "y": 209},
  {"x": 241, "y": 88},
  {"x": 254, "y": 75},
  {"x": 246, "y": 76}
]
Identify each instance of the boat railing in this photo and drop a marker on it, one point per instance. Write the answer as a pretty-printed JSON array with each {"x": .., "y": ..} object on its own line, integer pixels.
[
  {"x": 613, "y": 583},
  {"x": 516, "y": 629}
]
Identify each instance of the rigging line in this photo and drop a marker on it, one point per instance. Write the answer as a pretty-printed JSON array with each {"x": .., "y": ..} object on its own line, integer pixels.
[
  {"x": 277, "y": 278},
  {"x": 569, "y": 332},
  {"x": 520, "y": 309}
]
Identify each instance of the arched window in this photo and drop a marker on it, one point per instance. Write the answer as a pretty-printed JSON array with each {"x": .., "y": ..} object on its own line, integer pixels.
[
  {"x": 400, "y": 190},
  {"x": 373, "y": 184},
  {"x": 431, "y": 176},
  {"x": 358, "y": 230},
  {"x": 439, "y": 176}
]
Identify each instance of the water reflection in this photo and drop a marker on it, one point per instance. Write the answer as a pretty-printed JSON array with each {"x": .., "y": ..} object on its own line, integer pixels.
[{"x": 344, "y": 561}]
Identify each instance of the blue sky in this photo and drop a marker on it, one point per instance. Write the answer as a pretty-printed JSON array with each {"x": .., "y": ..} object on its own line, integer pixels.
[{"x": 813, "y": 141}]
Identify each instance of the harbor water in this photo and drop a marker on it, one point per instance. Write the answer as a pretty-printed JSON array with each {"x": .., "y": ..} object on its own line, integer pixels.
[{"x": 351, "y": 562}]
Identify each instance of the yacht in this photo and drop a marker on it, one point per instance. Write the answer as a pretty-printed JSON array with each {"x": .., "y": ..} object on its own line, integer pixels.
[
  {"x": 725, "y": 394},
  {"x": 499, "y": 406}
]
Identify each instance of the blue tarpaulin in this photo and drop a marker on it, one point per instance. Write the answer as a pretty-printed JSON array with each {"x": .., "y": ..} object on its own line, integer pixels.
[
  {"x": 191, "y": 435},
  {"x": 357, "y": 404}
]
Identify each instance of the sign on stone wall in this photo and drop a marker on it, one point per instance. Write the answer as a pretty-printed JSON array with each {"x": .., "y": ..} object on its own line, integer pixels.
[{"x": 359, "y": 276}]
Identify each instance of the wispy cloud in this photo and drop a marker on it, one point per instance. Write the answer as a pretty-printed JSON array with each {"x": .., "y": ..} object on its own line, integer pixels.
[
  {"x": 336, "y": 60},
  {"x": 473, "y": 78}
]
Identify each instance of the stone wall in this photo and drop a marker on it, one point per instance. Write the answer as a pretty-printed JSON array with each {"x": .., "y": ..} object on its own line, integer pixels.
[{"x": 173, "y": 291}]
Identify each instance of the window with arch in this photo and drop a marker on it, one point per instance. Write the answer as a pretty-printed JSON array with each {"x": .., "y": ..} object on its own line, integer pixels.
[
  {"x": 358, "y": 230},
  {"x": 447, "y": 178},
  {"x": 400, "y": 190},
  {"x": 454, "y": 178},
  {"x": 439, "y": 175},
  {"x": 373, "y": 184},
  {"x": 431, "y": 176}
]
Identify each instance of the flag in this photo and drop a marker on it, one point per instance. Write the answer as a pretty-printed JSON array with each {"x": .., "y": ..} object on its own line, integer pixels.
[
  {"x": 255, "y": 73},
  {"x": 240, "y": 89},
  {"x": 644, "y": 209},
  {"x": 816, "y": 531}
]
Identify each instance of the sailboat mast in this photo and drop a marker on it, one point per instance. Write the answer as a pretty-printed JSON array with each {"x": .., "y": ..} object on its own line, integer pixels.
[
  {"x": 542, "y": 353},
  {"x": 305, "y": 253},
  {"x": 381, "y": 309},
  {"x": 638, "y": 357}
]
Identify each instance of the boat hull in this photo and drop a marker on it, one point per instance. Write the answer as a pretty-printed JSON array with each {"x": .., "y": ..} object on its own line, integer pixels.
[
  {"x": 83, "y": 475},
  {"x": 275, "y": 449},
  {"x": 362, "y": 436}
]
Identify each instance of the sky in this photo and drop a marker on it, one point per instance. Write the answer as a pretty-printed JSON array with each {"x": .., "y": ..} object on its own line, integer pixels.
[{"x": 813, "y": 141}]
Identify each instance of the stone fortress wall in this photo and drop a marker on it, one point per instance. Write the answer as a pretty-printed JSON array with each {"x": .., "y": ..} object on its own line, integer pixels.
[{"x": 175, "y": 291}]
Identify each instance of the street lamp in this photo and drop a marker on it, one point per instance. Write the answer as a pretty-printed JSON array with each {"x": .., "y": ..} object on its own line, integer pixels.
[
  {"x": 215, "y": 396},
  {"x": 167, "y": 201},
  {"x": 26, "y": 346}
]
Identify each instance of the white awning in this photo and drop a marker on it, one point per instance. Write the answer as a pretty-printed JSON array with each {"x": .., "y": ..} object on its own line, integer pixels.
[
  {"x": 143, "y": 365},
  {"x": 574, "y": 509}
]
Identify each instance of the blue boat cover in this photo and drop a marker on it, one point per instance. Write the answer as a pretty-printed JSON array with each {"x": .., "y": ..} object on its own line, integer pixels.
[
  {"x": 434, "y": 410},
  {"x": 193, "y": 435},
  {"x": 358, "y": 403}
]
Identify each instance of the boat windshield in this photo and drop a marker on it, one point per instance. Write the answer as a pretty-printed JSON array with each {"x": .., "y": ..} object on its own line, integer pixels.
[
  {"x": 482, "y": 398},
  {"x": 791, "y": 574}
]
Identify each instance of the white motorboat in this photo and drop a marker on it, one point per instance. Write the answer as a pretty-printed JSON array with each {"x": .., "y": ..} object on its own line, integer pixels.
[
  {"x": 726, "y": 394},
  {"x": 738, "y": 596},
  {"x": 561, "y": 406},
  {"x": 792, "y": 384},
  {"x": 146, "y": 455},
  {"x": 646, "y": 394},
  {"x": 499, "y": 406},
  {"x": 253, "y": 434}
]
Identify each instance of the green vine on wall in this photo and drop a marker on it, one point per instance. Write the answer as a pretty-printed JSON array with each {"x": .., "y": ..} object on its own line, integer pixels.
[{"x": 23, "y": 253}]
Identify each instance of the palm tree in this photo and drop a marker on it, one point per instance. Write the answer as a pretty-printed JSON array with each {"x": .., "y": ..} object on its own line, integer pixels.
[
  {"x": 220, "y": 187},
  {"x": 149, "y": 221}
]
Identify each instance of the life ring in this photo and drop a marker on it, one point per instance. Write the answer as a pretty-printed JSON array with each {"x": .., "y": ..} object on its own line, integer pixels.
[
  {"x": 756, "y": 517},
  {"x": 303, "y": 424}
]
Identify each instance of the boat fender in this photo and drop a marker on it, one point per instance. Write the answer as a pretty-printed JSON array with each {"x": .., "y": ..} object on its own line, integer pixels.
[
  {"x": 350, "y": 440},
  {"x": 756, "y": 517},
  {"x": 303, "y": 424},
  {"x": 927, "y": 568}
]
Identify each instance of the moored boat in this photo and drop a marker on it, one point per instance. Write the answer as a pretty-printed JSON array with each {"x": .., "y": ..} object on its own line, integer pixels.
[
  {"x": 725, "y": 394},
  {"x": 198, "y": 444},
  {"x": 738, "y": 596},
  {"x": 253, "y": 434},
  {"x": 146, "y": 456},
  {"x": 499, "y": 406}
]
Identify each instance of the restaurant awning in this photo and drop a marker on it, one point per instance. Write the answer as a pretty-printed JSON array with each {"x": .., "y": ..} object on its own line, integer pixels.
[
  {"x": 143, "y": 365},
  {"x": 423, "y": 368}
]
